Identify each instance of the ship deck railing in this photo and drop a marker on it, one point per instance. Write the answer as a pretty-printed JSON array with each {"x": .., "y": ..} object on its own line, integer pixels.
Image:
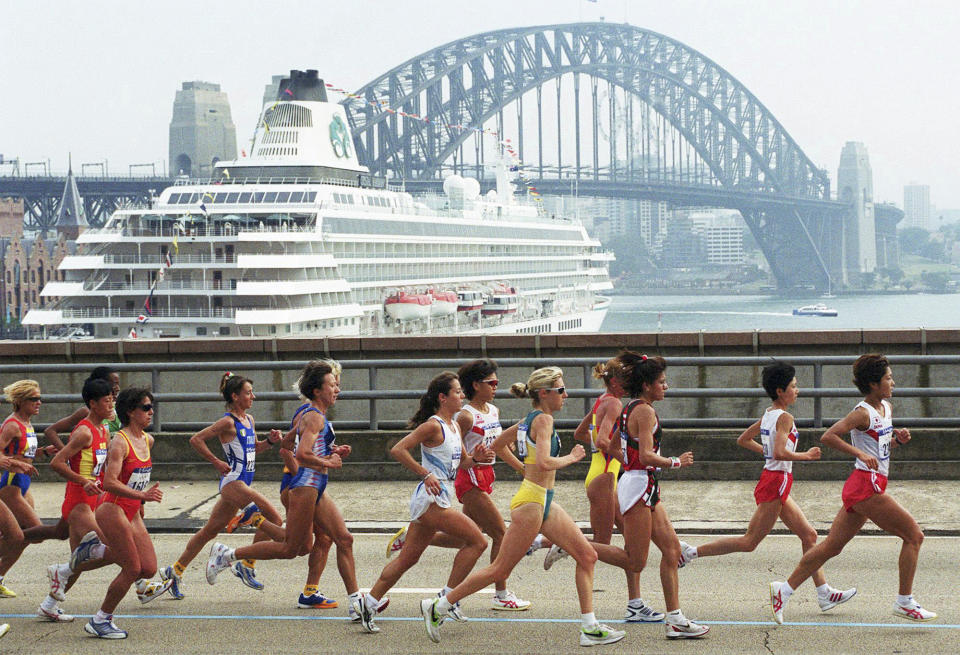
[
  {"x": 203, "y": 230},
  {"x": 133, "y": 314}
]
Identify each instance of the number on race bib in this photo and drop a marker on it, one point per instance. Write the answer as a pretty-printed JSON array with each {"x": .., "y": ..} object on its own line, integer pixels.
[{"x": 139, "y": 478}]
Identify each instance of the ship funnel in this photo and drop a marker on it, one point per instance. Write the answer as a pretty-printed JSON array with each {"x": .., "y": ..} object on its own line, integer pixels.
[{"x": 302, "y": 85}]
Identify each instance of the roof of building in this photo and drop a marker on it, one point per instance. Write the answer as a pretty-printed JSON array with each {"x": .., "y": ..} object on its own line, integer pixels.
[{"x": 71, "y": 212}]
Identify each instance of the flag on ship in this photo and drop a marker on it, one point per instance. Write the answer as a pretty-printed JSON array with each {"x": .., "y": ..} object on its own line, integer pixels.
[{"x": 166, "y": 257}]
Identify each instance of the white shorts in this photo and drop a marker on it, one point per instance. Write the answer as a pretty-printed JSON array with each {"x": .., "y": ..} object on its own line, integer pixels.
[
  {"x": 421, "y": 500},
  {"x": 635, "y": 487}
]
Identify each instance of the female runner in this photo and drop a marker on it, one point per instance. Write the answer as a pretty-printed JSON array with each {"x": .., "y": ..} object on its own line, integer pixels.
[
  {"x": 436, "y": 430},
  {"x": 638, "y": 491},
  {"x": 316, "y": 453},
  {"x": 125, "y": 483},
  {"x": 532, "y": 511},
  {"x": 872, "y": 435},
  {"x": 779, "y": 436},
  {"x": 10, "y": 534},
  {"x": 237, "y": 434},
  {"x": 68, "y": 423}
]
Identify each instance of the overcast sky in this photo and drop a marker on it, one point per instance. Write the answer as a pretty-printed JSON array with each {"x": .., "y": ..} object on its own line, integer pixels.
[{"x": 98, "y": 78}]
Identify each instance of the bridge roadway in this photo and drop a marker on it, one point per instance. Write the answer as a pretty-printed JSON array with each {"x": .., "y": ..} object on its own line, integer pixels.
[{"x": 231, "y": 618}]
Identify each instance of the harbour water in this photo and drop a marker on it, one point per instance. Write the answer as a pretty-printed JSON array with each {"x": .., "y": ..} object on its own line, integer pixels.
[{"x": 726, "y": 312}]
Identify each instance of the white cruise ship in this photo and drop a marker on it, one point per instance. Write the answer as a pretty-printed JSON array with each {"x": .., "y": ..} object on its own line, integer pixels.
[{"x": 298, "y": 239}]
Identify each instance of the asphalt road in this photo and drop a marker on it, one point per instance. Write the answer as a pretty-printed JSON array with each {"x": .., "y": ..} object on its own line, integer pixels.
[{"x": 728, "y": 593}]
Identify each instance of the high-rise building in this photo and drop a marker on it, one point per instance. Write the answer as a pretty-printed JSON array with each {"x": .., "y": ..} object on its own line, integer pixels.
[
  {"x": 201, "y": 130},
  {"x": 916, "y": 206},
  {"x": 721, "y": 232},
  {"x": 859, "y": 234}
]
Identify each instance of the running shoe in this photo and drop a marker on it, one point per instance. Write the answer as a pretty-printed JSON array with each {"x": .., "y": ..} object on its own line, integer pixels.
[
  {"x": 431, "y": 618},
  {"x": 834, "y": 597},
  {"x": 510, "y": 603},
  {"x": 686, "y": 554},
  {"x": 317, "y": 601},
  {"x": 148, "y": 590},
  {"x": 685, "y": 629},
  {"x": 83, "y": 551},
  {"x": 56, "y": 615},
  {"x": 642, "y": 614},
  {"x": 105, "y": 630},
  {"x": 243, "y": 518},
  {"x": 366, "y": 615},
  {"x": 7, "y": 592},
  {"x": 4, "y": 628},
  {"x": 218, "y": 561},
  {"x": 395, "y": 545},
  {"x": 913, "y": 611},
  {"x": 176, "y": 582},
  {"x": 384, "y": 602},
  {"x": 58, "y": 583},
  {"x": 535, "y": 545},
  {"x": 553, "y": 555},
  {"x": 457, "y": 614},
  {"x": 247, "y": 575},
  {"x": 600, "y": 634},
  {"x": 776, "y": 602}
]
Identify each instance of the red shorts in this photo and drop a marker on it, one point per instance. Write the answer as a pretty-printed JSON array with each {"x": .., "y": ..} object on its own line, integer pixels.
[
  {"x": 860, "y": 486},
  {"x": 129, "y": 506},
  {"x": 773, "y": 485},
  {"x": 481, "y": 477},
  {"x": 75, "y": 495}
]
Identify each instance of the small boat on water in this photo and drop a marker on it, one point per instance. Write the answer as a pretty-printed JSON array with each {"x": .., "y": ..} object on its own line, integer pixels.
[
  {"x": 814, "y": 310},
  {"x": 406, "y": 306}
]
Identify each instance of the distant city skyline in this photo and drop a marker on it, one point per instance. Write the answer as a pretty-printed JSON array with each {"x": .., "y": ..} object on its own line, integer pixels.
[{"x": 100, "y": 80}]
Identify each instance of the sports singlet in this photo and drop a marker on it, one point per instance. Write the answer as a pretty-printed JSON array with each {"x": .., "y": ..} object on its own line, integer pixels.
[
  {"x": 527, "y": 447},
  {"x": 595, "y": 429},
  {"x": 240, "y": 452},
  {"x": 630, "y": 446},
  {"x": 875, "y": 440},
  {"x": 443, "y": 460},
  {"x": 25, "y": 445},
  {"x": 486, "y": 428},
  {"x": 293, "y": 422},
  {"x": 135, "y": 472},
  {"x": 768, "y": 435},
  {"x": 90, "y": 461},
  {"x": 322, "y": 447}
]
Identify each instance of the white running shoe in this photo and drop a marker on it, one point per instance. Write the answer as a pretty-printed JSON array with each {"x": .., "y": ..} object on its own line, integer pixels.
[
  {"x": 913, "y": 611},
  {"x": 454, "y": 612},
  {"x": 643, "y": 614},
  {"x": 776, "y": 602},
  {"x": 600, "y": 634},
  {"x": 687, "y": 554},
  {"x": 4, "y": 628},
  {"x": 57, "y": 582},
  {"x": 148, "y": 590},
  {"x": 218, "y": 561},
  {"x": 366, "y": 615},
  {"x": 834, "y": 597},
  {"x": 355, "y": 618},
  {"x": 395, "y": 545},
  {"x": 685, "y": 629},
  {"x": 553, "y": 555},
  {"x": 56, "y": 615},
  {"x": 510, "y": 603},
  {"x": 431, "y": 618}
]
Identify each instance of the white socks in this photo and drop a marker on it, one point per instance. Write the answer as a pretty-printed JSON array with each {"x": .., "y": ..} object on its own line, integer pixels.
[
  {"x": 101, "y": 617},
  {"x": 98, "y": 551},
  {"x": 823, "y": 590},
  {"x": 676, "y": 617},
  {"x": 443, "y": 605},
  {"x": 49, "y": 603},
  {"x": 635, "y": 602},
  {"x": 786, "y": 591},
  {"x": 905, "y": 601},
  {"x": 588, "y": 620},
  {"x": 369, "y": 601}
]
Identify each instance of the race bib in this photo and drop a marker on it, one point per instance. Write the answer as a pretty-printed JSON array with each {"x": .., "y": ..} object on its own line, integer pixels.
[{"x": 139, "y": 478}]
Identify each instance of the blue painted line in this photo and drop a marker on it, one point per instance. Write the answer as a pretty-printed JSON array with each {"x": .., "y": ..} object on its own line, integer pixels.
[{"x": 275, "y": 617}]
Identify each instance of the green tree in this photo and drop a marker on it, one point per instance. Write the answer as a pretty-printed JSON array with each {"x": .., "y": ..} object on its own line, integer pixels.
[
  {"x": 935, "y": 280},
  {"x": 913, "y": 240}
]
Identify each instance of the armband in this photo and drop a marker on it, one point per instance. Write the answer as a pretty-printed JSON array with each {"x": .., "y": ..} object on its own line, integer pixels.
[{"x": 674, "y": 462}]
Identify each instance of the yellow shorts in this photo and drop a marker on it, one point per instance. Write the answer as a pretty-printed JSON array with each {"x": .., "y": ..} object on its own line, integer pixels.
[
  {"x": 531, "y": 492},
  {"x": 600, "y": 464}
]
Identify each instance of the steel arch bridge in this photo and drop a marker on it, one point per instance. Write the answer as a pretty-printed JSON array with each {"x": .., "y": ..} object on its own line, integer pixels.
[{"x": 678, "y": 126}]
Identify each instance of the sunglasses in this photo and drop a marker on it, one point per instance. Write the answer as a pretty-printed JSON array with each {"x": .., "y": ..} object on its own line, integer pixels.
[
  {"x": 560, "y": 390},
  {"x": 492, "y": 383},
  {"x": 34, "y": 399},
  {"x": 146, "y": 407}
]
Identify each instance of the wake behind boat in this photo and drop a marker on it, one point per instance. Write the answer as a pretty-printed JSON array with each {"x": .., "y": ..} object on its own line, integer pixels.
[{"x": 814, "y": 310}]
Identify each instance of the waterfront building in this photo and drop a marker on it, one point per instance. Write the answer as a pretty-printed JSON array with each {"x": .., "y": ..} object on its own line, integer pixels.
[
  {"x": 201, "y": 130},
  {"x": 721, "y": 233},
  {"x": 916, "y": 206}
]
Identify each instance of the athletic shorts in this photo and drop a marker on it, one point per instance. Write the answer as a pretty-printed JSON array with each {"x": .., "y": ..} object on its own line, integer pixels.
[
  {"x": 130, "y": 506},
  {"x": 22, "y": 480},
  {"x": 421, "y": 499},
  {"x": 531, "y": 492},
  {"x": 75, "y": 495},
  {"x": 481, "y": 477},
  {"x": 308, "y": 477},
  {"x": 860, "y": 486},
  {"x": 285, "y": 481},
  {"x": 773, "y": 485},
  {"x": 638, "y": 487},
  {"x": 600, "y": 464}
]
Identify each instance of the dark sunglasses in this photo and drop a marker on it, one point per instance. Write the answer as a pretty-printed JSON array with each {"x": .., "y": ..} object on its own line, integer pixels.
[
  {"x": 34, "y": 399},
  {"x": 146, "y": 407},
  {"x": 560, "y": 390},
  {"x": 492, "y": 383}
]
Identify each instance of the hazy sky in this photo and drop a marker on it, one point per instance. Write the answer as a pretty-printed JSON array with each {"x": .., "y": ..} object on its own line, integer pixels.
[{"x": 98, "y": 78}]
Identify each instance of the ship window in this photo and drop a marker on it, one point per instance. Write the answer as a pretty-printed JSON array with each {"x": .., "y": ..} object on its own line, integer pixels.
[
  {"x": 283, "y": 196},
  {"x": 296, "y": 196},
  {"x": 224, "y": 332},
  {"x": 245, "y": 197},
  {"x": 257, "y": 196},
  {"x": 310, "y": 196},
  {"x": 270, "y": 197},
  {"x": 232, "y": 197},
  {"x": 194, "y": 197},
  {"x": 114, "y": 331},
  {"x": 174, "y": 198},
  {"x": 201, "y": 331},
  {"x": 220, "y": 197}
]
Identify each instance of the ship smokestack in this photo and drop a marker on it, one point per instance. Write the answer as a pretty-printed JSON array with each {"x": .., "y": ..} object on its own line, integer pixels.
[{"x": 302, "y": 85}]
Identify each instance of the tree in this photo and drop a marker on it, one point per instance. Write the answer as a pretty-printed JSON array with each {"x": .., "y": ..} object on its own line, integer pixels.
[
  {"x": 913, "y": 240},
  {"x": 631, "y": 256},
  {"x": 935, "y": 281}
]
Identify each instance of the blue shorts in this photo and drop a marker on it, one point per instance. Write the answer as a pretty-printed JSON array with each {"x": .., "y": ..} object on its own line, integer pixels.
[
  {"x": 285, "y": 481},
  {"x": 245, "y": 477},
  {"x": 308, "y": 477},
  {"x": 21, "y": 480}
]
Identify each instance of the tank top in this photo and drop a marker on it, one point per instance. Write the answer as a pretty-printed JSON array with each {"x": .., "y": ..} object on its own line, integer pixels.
[
  {"x": 630, "y": 446},
  {"x": 527, "y": 447},
  {"x": 443, "y": 460},
  {"x": 323, "y": 446},
  {"x": 135, "y": 472},
  {"x": 595, "y": 429},
  {"x": 296, "y": 437},
  {"x": 768, "y": 435},
  {"x": 90, "y": 461},
  {"x": 23, "y": 446},
  {"x": 486, "y": 428},
  {"x": 241, "y": 451},
  {"x": 875, "y": 440}
]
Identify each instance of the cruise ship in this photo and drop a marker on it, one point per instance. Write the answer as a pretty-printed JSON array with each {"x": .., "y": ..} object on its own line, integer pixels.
[{"x": 298, "y": 239}]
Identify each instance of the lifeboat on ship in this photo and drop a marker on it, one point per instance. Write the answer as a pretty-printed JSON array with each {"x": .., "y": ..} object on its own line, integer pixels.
[
  {"x": 469, "y": 300},
  {"x": 406, "y": 306},
  {"x": 444, "y": 303},
  {"x": 501, "y": 301}
]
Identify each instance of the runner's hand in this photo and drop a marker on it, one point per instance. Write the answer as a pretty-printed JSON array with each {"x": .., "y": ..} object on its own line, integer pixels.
[
  {"x": 153, "y": 494},
  {"x": 222, "y": 467},
  {"x": 432, "y": 485},
  {"x": 92, "y": 487},
  {"x": 686, "y": 459},
  {"x": 577, "y": 453},
  {"x": 482, "y": 455},
  {"x": 333, "y": 461},
  {"x": 870, "y": 461},
  {"x": 813, "y": 454},
  {"x": 20, "y": 466}
]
